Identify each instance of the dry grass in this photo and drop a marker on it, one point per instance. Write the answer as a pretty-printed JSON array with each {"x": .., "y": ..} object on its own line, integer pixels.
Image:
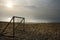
[{"x": 34, "y": 31}]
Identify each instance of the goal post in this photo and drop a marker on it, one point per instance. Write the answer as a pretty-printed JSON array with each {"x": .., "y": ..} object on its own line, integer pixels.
[{"x": 16, "y": 23}]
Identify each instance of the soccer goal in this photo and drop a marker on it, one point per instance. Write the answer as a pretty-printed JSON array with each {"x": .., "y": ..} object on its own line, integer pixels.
[{"x": 15, "y": 25}]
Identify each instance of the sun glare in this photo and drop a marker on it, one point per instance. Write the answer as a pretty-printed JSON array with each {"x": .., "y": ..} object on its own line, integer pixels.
[{"x": 9, "y": 4}]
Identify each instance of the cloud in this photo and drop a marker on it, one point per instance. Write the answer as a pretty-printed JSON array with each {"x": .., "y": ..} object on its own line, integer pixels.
[{"x": 34, "y": 10}]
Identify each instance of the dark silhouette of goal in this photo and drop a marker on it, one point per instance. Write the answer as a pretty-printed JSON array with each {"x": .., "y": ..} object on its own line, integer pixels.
[{"x": 13, "y": 24}]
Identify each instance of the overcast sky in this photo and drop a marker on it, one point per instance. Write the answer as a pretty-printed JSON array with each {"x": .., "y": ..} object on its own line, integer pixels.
[{"x": 32, "y": 10}]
